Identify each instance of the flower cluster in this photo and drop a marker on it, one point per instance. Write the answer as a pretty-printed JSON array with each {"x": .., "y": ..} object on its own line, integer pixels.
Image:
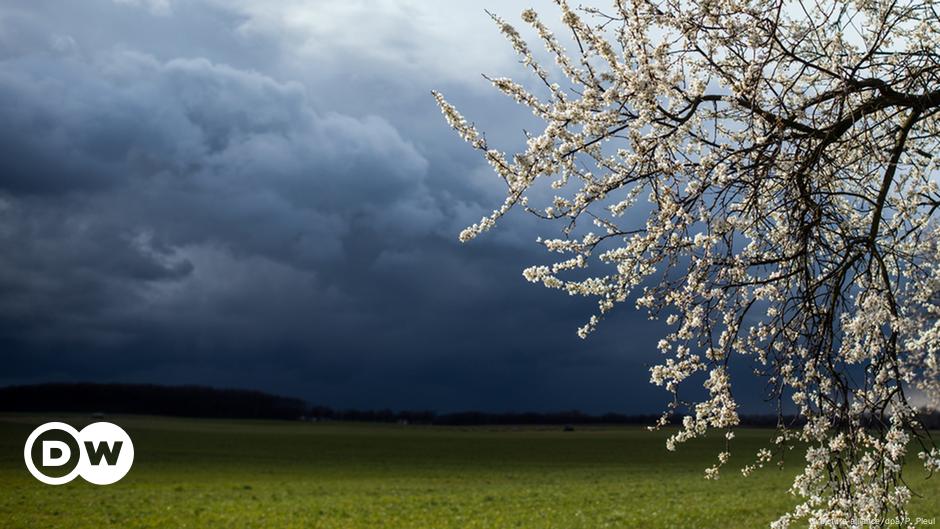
[{"x": 762, "y": 176}]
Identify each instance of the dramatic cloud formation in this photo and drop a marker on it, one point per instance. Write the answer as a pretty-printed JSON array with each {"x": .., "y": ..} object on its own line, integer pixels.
[{"x": 264, "y": 195}]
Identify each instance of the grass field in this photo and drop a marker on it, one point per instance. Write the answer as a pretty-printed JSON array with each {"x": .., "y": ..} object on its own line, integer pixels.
[{"x": 240, "y": 474}]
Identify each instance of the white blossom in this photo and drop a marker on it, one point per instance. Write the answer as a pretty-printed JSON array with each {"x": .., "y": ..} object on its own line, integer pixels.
[{"x": 765, "y": 173}]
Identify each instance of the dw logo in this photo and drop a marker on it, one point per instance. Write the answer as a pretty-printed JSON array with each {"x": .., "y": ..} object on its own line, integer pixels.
[{"x": 101, "y": 453}]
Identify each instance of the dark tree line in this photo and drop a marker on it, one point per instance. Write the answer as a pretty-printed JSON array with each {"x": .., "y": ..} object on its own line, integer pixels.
[
  {"x": 181, "y": 401},
  {"x": 201, "y": 401}
]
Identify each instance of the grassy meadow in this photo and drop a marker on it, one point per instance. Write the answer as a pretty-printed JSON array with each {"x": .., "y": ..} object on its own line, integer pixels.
[{"x": 191, "y": 473}]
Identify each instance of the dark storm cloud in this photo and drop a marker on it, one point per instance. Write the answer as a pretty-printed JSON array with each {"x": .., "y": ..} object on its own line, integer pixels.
[{"x": 262, "y": 195}]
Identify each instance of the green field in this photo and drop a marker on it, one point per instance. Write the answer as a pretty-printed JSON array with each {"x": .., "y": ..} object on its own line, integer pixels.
[{"x": 267, "y": 474}]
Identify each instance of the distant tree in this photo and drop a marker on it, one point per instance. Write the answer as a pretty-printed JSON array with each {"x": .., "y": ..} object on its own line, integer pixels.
[{"x": 788, "y": 154}]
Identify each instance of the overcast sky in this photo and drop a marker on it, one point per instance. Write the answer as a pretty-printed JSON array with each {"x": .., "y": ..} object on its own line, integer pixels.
[{"x": 263, "y": 194}]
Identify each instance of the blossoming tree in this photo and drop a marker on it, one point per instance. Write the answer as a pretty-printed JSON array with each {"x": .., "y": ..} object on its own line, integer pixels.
[{"x": 788, "y": 151}]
